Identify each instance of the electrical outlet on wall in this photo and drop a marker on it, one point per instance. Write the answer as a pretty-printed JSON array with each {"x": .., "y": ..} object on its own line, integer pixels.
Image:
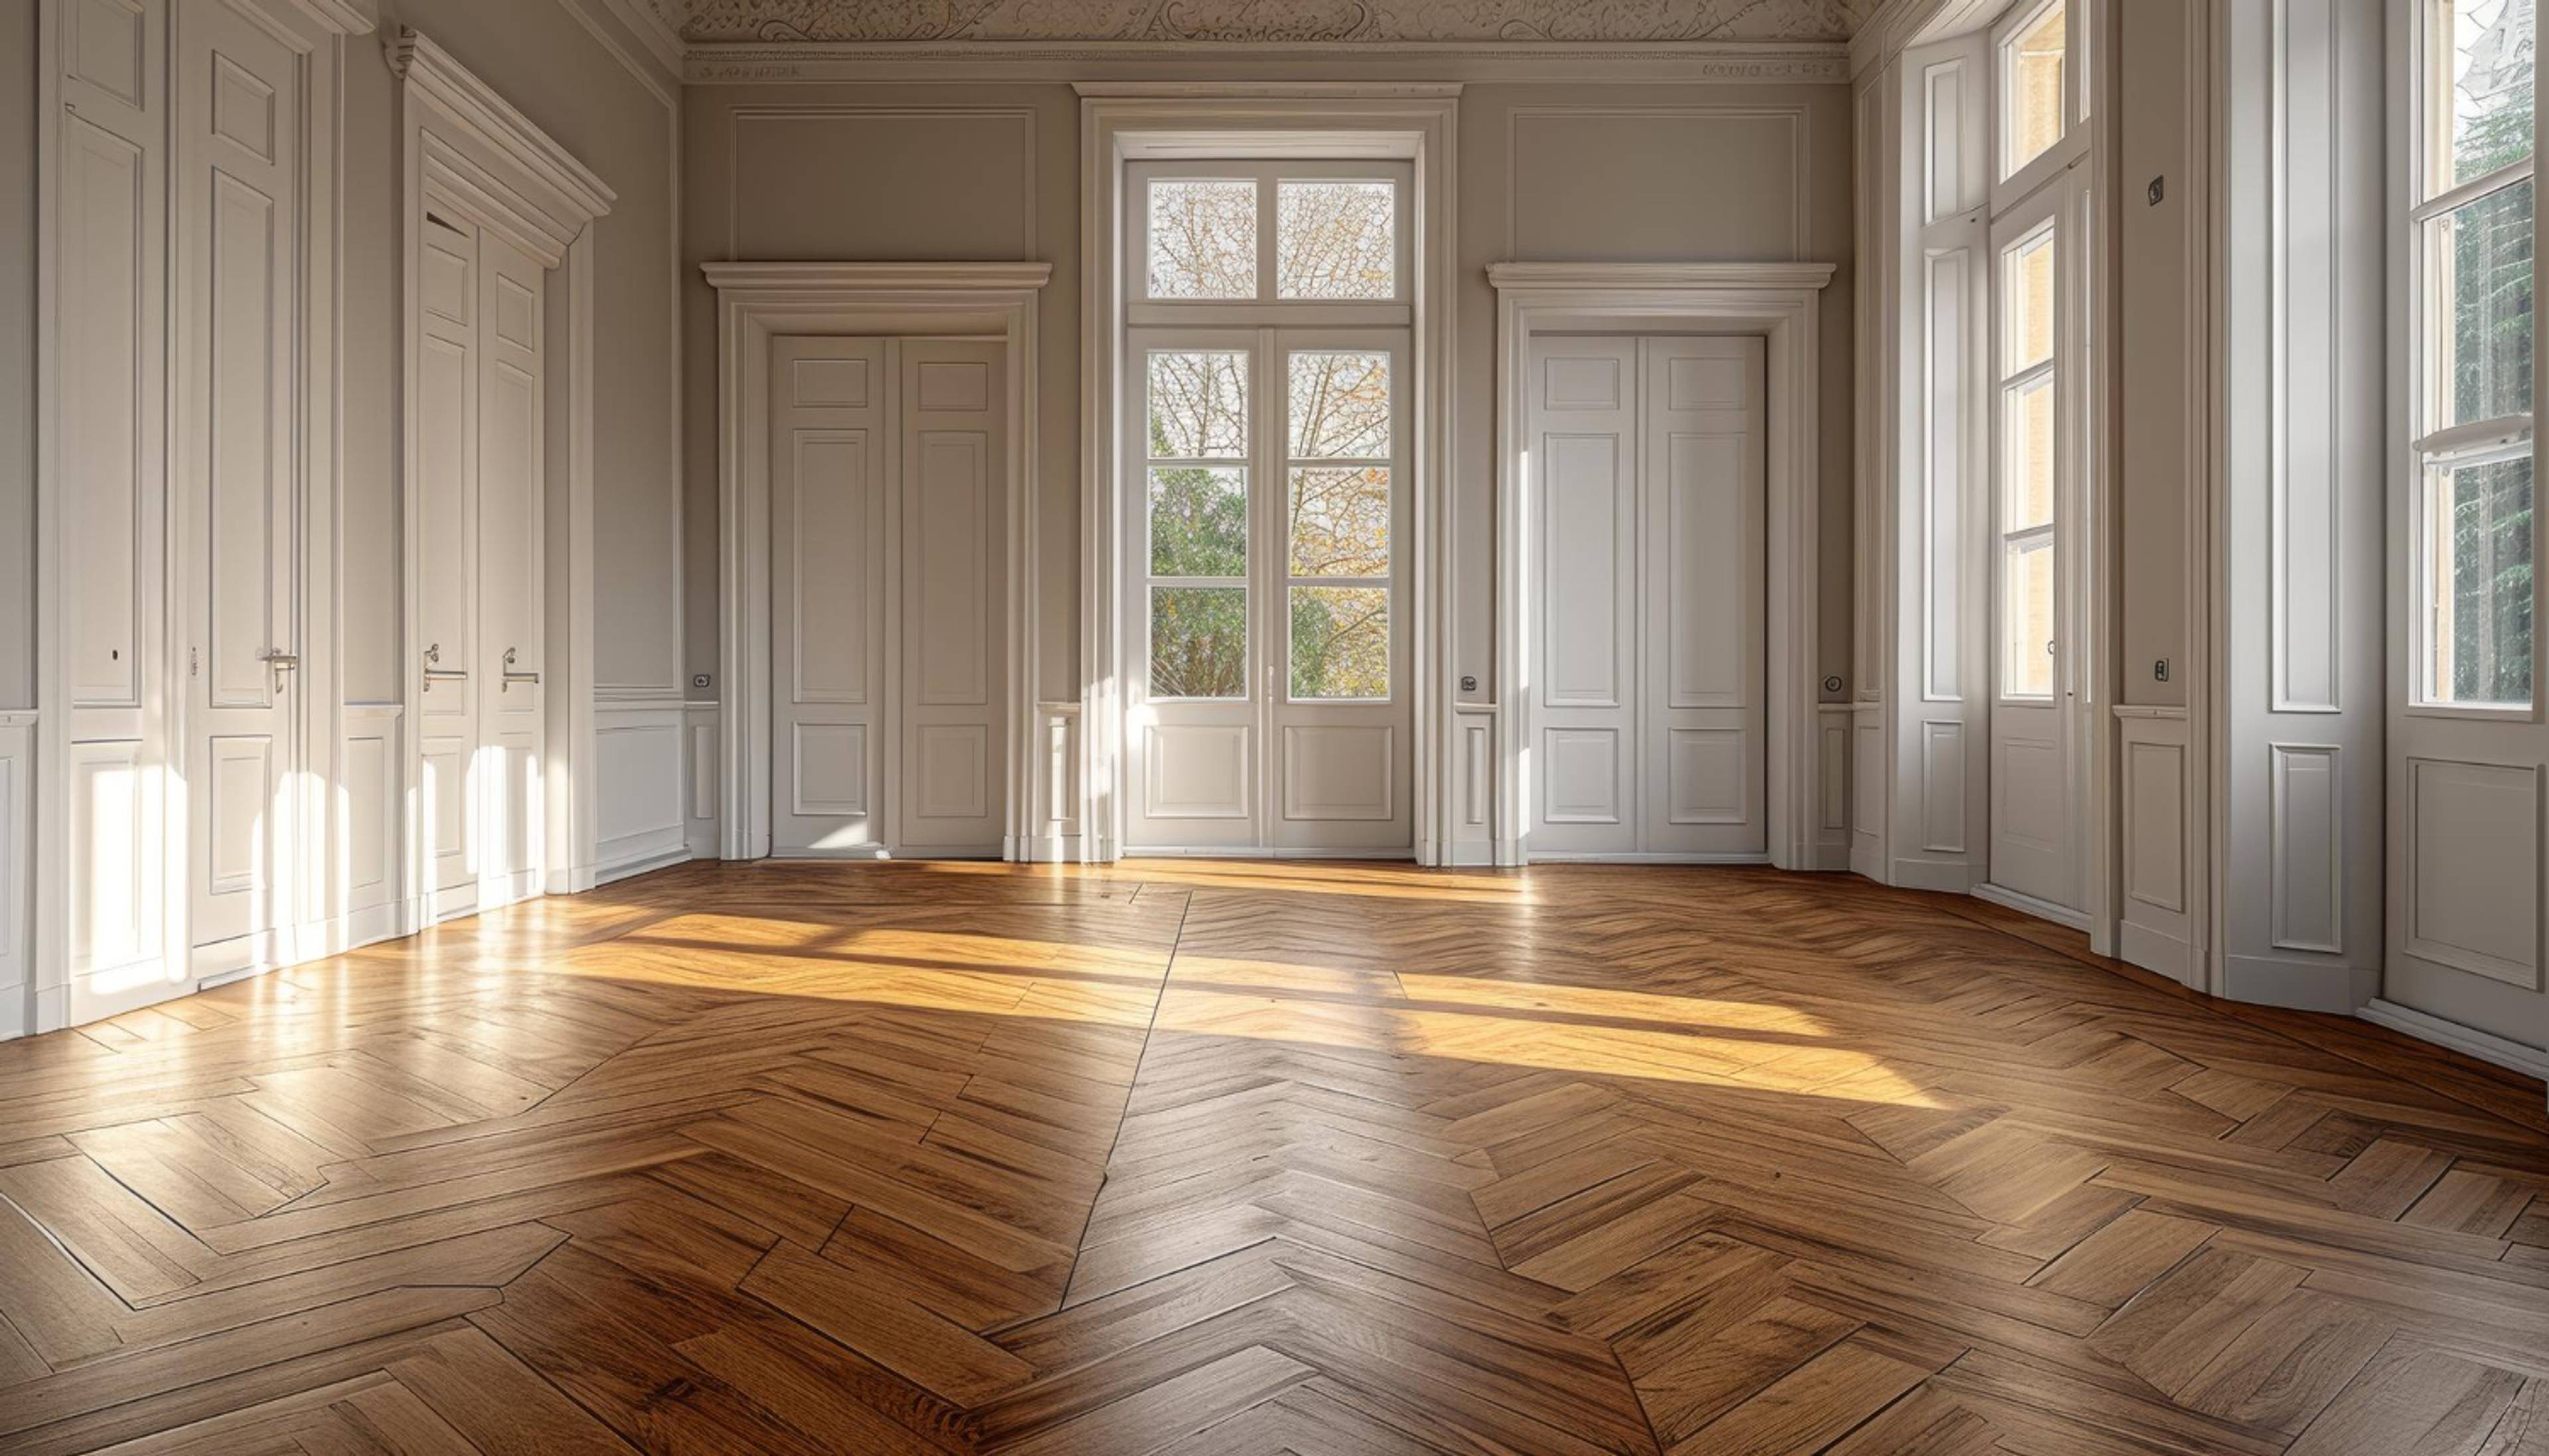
[
  {"x": 2159, "y": 671},
  {"x": 699, "y": 682}
]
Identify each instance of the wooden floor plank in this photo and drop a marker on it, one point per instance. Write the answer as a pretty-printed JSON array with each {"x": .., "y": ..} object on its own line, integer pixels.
[{"x": 1220, "y": 1158}]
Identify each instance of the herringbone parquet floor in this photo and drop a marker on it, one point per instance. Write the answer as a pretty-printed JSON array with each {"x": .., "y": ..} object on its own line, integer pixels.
[{"x": 1240, "y": 1159}]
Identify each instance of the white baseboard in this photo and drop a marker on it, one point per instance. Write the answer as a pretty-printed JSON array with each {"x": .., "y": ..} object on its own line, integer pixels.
[
  {"x": 2031, "y": 905},
  {"x": 1947, "y": 876},
  {"x": 2154, "y": 950},
  {"x": 1588, "y": 857},
  {"x": 2531, "y": 1061},
  {"x": 2300, "y": 985},
  {"x": 1139, "y": 853},
  {"x": 628, "y": 869}
]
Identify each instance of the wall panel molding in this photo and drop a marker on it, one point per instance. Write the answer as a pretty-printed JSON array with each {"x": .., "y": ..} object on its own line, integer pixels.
[{"x": 2307, "y": 865}]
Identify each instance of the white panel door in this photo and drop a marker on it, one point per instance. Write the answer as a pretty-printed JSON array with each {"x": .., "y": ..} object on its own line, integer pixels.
[
  {"x": 1647, "y": 604},
  {"x": 238, "y": 222},
  {"x": 951, "y": 773},
  {"x": 1583, "y": 759},
  {"x": 1704, "y": 543},
  {"x": 829, "y": 426},
  {"x": 510, "y": 805},
  {"x": 2038, "y": 786},
  {"x": 447, "y": 398}
]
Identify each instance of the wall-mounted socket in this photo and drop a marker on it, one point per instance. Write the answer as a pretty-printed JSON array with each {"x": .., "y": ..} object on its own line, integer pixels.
[
  {"x": 2159, "y": 669},
  {"x": 2158, "y": 190},
  {"x": 699, "y": 682},
  {"x": 1468, "y": 683}
]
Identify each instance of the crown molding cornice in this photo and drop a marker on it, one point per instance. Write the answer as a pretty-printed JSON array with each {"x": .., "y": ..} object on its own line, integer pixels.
[
  {"x": 434, "y": 75},
  {"x": 657, "y": 25},
  {"x": 1659, "y": 276},
  {"x": 878, "y": 277},
  {"x": 1739, "y": 62}
]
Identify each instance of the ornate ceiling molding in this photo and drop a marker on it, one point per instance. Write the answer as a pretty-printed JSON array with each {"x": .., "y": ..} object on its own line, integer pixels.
[
  {"x": 1289, "y": 23},
  {"x": 1736, "y": 61}
]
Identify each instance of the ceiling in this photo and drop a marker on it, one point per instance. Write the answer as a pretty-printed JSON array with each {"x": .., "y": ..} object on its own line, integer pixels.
[{"x": 1260, "y": 22}]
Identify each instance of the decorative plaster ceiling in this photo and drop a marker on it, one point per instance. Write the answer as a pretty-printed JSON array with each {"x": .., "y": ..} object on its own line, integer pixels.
[{"x": 1379, "y": 23}]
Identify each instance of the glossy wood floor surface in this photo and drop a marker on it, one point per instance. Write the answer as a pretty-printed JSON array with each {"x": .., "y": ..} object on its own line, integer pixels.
[{"x": 1252, "y": 1159}]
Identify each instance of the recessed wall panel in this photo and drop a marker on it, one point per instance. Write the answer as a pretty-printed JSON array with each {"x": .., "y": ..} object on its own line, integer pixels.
[
  {"x": 1338, "y": 772},
  {"x": 1711, "y": 569},
  {"x": 2473, "y": 866},
  {"x": 829, "y": 540},
  {"x": 1580, "y": 781},
  {"x": 1708, "y": 777},
  {"x": 953, "y": 591},
  {"x": 1580, "y": 524}
]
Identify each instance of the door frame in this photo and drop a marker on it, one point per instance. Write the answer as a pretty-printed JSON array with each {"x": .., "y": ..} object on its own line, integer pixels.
[
  {"x": 471, "y": 150},
  {"x": 756, "y": 301},
  {"x": 1123, "y": 121},
  {"x": 1782, "y": 302}
]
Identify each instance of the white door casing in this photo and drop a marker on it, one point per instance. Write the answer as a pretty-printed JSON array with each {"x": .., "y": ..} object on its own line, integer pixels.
[
  {"x": 499, "y": 771},
  {"x": 238, "y": 467},
  {"x": 1646, "y": 663}
]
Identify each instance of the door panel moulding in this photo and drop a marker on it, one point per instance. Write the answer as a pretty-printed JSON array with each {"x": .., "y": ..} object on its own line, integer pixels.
[
  {"x": 759, "y": 301},
  {"x": 468, "y": 148},
  {"x": 1779, "y": 302}
]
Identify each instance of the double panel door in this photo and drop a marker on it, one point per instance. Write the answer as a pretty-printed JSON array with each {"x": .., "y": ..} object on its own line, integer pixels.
[
  {"x": 238, "y": 223},
  {"x": 480, "y": 477},
  {"x": 1647, "y": 599},
  {"x": 889, "y": 637},
  {"x": 1265, "y": 610}
]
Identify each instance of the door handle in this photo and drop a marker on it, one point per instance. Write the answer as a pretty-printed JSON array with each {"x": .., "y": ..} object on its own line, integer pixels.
[
  {"x": 511, "y": 676},
  {"x": 281, "y": 662},
  {"x": 433, "y": 674}
]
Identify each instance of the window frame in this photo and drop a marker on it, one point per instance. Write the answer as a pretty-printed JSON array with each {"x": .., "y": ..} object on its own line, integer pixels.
[
  {"x": 1244, "y": 343},
  {"x": 2428, "y": 451},
  {"x": 2049, "y": 219},
  {"x": 1141, "y": 311},
  {"x": 1393, "y": 343},
  {"x": 2008, "y": 187}
]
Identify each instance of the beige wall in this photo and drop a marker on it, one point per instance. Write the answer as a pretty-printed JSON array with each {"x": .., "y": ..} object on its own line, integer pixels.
[
  {"x": 17, "y": 355},
  {"x": 542, "y": 59},
  {"x": 874, "y": 172},
  {"x": 2152, "y": 405}
]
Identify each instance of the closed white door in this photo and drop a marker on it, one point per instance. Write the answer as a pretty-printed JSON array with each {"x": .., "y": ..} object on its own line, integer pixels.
[
  {"x": 1647, "y": 598},
  {"x": 480, "y": 485},
  {"x": 1266, "y": 621},
  {"x": 828, "y": 510},
  {"x": 239, "y": 224},
  {"x": 2038, "y": 790},
  {"x": 951, "y": 772},
  {"x": 889, "y": 582},
  {"x": 510, "y": 801},
  {"x": 446, "y": 401}
]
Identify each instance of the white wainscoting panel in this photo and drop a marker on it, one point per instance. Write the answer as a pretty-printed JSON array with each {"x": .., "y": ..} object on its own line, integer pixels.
[
  {"x": 2473, "y": 867},
  {"x": 1054, "y": 785},
  {"x": 1338, "y": 772},
  {"x": 1473, "y": 818},
  {"x": 2156, "y": 933},
  {"x": 643, "y": 811},
  {"x": 699, "y": 777},
  {"x": 1834, "y": 845},
  {"x": 1867, "y": 749},
  {"x": 369, "y": 760},
  {"x": 17, "y": 834},
  {"x": 2308, "y": 802}
]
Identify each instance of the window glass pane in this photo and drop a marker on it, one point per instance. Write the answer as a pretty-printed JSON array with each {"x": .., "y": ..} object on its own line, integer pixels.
[
  {"x": 2027, "y": 470},
  {"x": 1340, "y": 521},
  {"x": 2027, "y": 288},
  {"x": 1336, "y": 239},
  {"x": 1199, "y": 404},
  {"x": 1340, "y": 642},
  {"x": 1198, "y": 521},
  {"x": 2032, "y": 90},
  {"x": 1340, "y": 405},
  {"x": 2477, "y": 262},
  {"x": 1198, "y": 642},
  {"x": 1203, "y": 238},
  {"x": 2480, "y": 533},
  {"x": 2483, "y": 97},
  {"x": 2026, "y": 619}
]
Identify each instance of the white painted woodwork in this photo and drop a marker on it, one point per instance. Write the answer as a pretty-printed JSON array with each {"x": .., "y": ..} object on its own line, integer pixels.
[
  {"x": 1648, "y": 559},
  {"x": 480, "y": 490},
  {"x": 17, "y": 832},
  {"x": 889, "y": 626},
  {"x": 1268, "y": 773},
  {"x": 237, "y": 231},
  {"x": 952, "y": 729},
  {"x": 2039, "y": 751}
]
